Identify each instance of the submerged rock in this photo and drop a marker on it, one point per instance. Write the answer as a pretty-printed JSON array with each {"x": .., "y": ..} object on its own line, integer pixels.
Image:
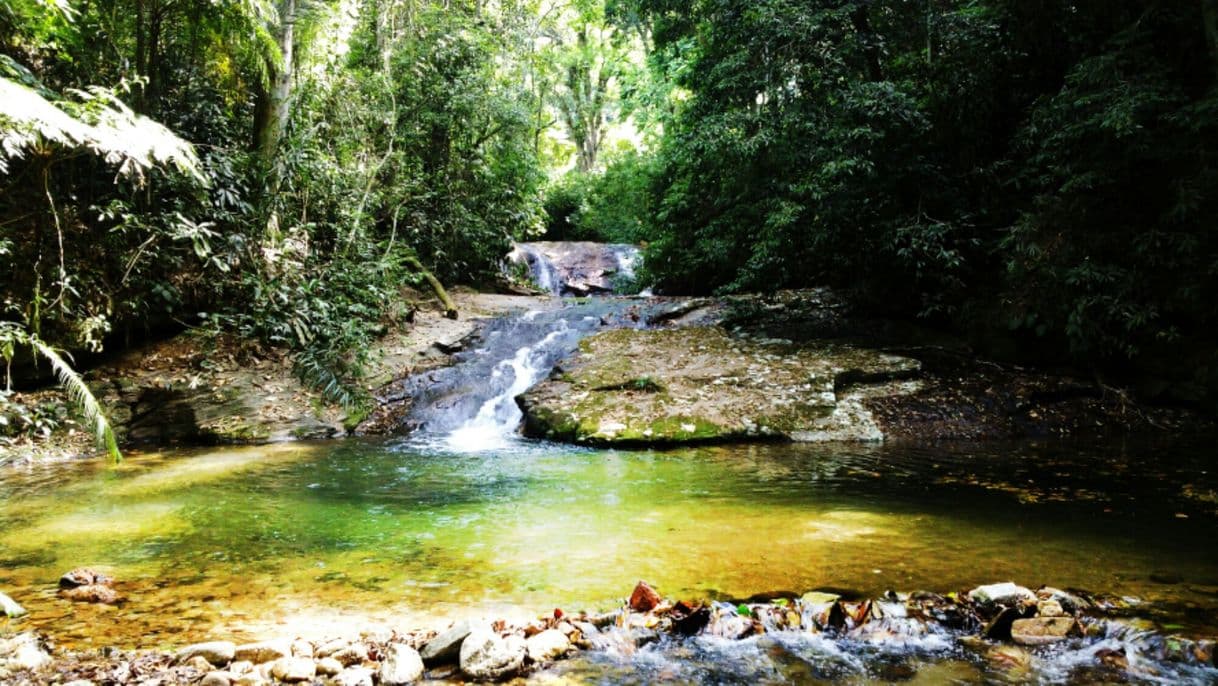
[
  {"x": 446, "y": 647},
  {"x": 484, "y": 655},
  {"x": 699, "y": 384},
  {"x": 401, "y": 665}
]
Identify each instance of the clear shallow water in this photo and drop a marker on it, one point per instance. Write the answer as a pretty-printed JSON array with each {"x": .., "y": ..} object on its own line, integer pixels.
[{"x": 318, "y": 537}]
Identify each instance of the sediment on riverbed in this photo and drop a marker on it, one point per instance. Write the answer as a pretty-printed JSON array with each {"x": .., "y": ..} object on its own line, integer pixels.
[{"x": 1000, "y": 629}]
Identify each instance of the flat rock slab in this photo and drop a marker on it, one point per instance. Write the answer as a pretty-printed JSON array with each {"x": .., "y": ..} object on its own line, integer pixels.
[{"x": 701, "y": 384}]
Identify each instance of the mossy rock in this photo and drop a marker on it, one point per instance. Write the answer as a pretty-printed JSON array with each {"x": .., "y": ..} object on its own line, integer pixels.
[{"x": 701, "y": 384}]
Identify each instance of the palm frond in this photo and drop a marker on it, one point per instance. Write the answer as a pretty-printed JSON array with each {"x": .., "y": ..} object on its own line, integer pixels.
[{"x": 82, "y": 397}]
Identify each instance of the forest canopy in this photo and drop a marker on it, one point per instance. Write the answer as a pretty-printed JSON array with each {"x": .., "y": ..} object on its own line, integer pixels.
[{"x": 1038, "y": 175}]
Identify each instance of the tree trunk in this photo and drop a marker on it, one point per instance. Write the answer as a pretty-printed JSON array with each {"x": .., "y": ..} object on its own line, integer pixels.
[
  {"x": 273, "y": 113},
  {"x": 1209, "y": 16}
]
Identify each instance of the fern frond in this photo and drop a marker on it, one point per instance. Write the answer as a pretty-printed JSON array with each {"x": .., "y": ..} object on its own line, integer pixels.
[{"x": 82, "y": 397}]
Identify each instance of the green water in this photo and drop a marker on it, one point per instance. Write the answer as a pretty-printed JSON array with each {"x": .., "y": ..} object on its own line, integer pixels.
[{"x": 242, "y": 542}]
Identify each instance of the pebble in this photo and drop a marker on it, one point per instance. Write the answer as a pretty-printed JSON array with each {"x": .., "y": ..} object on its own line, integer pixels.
[{"x": 293, "y": 669}]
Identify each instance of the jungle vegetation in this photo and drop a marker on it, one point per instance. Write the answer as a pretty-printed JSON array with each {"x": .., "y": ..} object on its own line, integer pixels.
[{"x": 1040, "y": 176}]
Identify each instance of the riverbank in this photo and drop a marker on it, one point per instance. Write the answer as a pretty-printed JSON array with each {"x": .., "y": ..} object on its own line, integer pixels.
[
  {"x": 198, "y": 390},
  {"x": 792, "y": 366},
  {"x": 999, "y": 630}
]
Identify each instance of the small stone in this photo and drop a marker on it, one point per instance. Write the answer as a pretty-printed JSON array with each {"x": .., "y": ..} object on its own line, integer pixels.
[
  {"x": 548, "y": 645},
  {"x": 1070, "y": 602},
  {"x": 1044, "y": 630},
  {"x": 79, "y": 682},
  {"x": 1009, "y": 658},
  {"x": 251, "y": 679},
  {"x": 401, "y": 665},
  {"x": 241, "y": 667},
  {"x": 354, "y": 676},
  {"x": 24, "y": 651},
  {"x": 1001, "y": 594},
  {"x": 816, "y": 599},
  {"x": 10, "y": 607},
  {"x": 199, "y": 664},
  {"x": 588, "y": 629},
  {"x": 218, "y": 653},
  {"x": 328, "y": 666},
  {"x": 91, "y": 593},
  {"x": 263, "y": 651},
  {"x": 83, "y": 576},
  {"x": 217, "y": 679},
  {"x": 1049, "y": 608},
  {"x": 350, "y": 654},
  {"x": 644, "y": 598},
  {"x": 484, "y": 655},
  {"x": 292, "y": 669},
  {"x": 302, "y": 648},
  {"x": 446, "y": 647}
]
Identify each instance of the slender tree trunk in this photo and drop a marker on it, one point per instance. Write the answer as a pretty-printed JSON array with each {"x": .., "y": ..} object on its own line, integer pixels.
[
  {"x": 271, "y": 115},
  {"x": 1209, "y": 14}
]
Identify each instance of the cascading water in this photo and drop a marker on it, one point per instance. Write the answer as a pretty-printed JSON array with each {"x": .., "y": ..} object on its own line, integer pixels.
[
  {"x": 499, "y": 416},
  {"x": 471, "y": 405},
  {"x": 542, "y": 270}
]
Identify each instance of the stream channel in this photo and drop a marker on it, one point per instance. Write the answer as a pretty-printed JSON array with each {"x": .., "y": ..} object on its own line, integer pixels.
[{"x": 462, "y": 518}]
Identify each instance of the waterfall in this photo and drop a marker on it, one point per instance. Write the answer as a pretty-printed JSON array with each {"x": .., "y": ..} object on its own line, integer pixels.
[
  {"x": 498, "y": 417},
  {"x": 542, "y": 270}
]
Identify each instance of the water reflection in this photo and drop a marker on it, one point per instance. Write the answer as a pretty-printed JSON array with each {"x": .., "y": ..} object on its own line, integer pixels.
[{"x": 407, "y": 530}]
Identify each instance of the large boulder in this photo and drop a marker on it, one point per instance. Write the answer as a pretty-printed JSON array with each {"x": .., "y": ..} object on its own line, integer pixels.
[
  {"x": 702, "y": 384},
  {"x": 487, "y": 656},
  {"x": 1006, "y": 593},
  {"x": 548, "y": 645},
  {"x": 1040, "y": 631}
]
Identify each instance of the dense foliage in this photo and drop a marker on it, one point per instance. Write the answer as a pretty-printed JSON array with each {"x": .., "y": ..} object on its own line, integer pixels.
[
  {"x": 339, "y": 147},
  {"x": 1037, "y": 173},
  {"x": 1042, "y": 168}
]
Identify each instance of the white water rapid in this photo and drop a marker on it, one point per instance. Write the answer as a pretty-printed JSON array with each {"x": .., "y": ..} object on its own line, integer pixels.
[{"x": 497, "y": 420}]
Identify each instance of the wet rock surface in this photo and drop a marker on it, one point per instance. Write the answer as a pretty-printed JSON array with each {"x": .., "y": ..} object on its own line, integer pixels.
[
  {"x": 576, "y": 268},
  {"x": 818, "y": 636}
]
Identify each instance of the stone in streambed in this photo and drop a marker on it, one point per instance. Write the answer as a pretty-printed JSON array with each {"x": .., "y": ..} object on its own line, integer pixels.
[
  {"x": 401, "y": 665},
  {"x": 10, "y": 607},
  {"x": 294, "y": 669},
  {"x": 328, "y": 666},
  {"x": 354, "y": 676},
  {"x": 644, "y": 598},
  {"x": 446, "y": 647},
  {"x": 21, "y": 652},
  {"x": 251, "y": 679},
  {"x": 548, "y": 645},
  {"x": 94, "y": 593},
  {"x": 1049, "y": 608},
  {"x": 1040, "y": 631},
  {"x": 83, "y": 576},
  {"x": 346, "y": 653},
  {"x": 218, "y": 653},
  {"x": 1006, "y": 593},
  {"x": 484, "y": 655},
  {"x": 263, "y": 651},
  {"x": 217, "y": 679}
]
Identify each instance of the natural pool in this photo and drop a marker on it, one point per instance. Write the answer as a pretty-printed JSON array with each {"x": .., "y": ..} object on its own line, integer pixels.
[{"x": 312, "y": 538}]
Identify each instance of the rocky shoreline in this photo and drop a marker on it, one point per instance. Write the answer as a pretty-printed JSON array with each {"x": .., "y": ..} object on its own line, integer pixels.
[{"x": 1002, "y": 627}]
